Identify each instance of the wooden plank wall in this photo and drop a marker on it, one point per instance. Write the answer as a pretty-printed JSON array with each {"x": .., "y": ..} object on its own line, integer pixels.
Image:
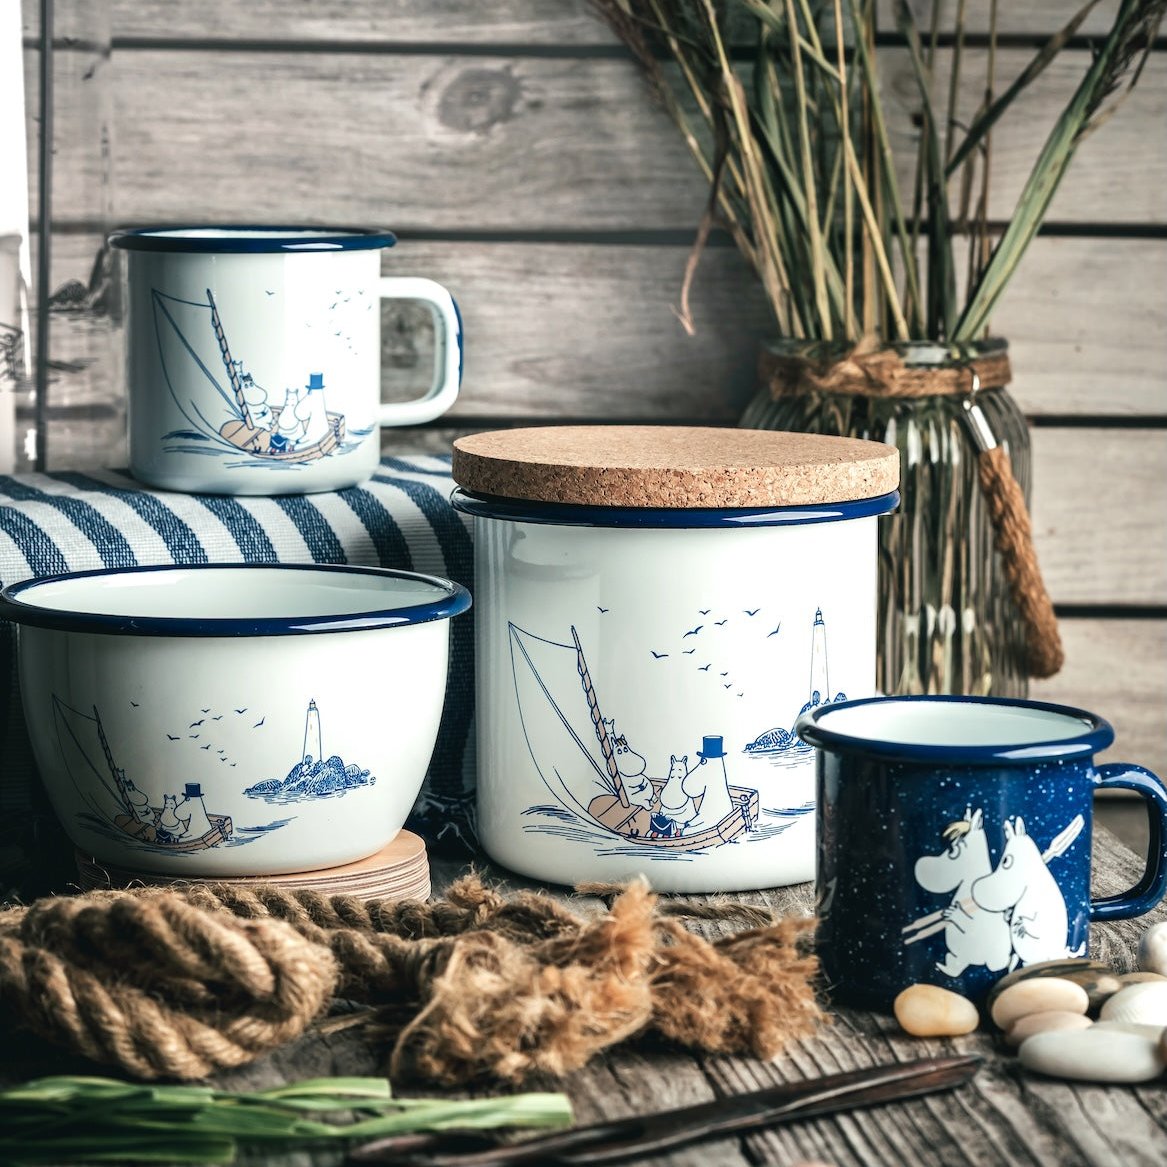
[{"x": 513, "y": 147}]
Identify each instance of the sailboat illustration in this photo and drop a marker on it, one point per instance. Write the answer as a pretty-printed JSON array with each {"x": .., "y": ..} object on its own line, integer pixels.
[
  {"x": 179, "y": 824},
  {"x": 299, "y": 430},
  {"x": 572, "y": 746}
]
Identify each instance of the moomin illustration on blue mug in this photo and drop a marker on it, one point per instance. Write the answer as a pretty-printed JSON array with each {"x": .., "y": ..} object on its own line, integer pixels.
[
  {"x": 254, "y": 362},
  {"x": 954, "y": 840}
]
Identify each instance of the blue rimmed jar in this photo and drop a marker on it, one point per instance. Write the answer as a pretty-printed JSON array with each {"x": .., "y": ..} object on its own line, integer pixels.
[
  {"x": 656, "y": 606},
  {"x": 236, "y": 719},
  {"x": 254, "y": 356},
  {"x": 954, "y": 841}
]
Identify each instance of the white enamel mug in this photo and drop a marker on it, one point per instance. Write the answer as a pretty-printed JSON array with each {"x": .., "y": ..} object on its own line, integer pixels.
[{"x": 254, "y": 357}]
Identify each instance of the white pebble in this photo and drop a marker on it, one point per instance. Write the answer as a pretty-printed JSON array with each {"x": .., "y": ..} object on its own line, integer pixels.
[
  {"x": 1025, "y": 1027},
  {"x": 1093, "y": 1055},
  {"x": 1039, "y": 995},
  {"x": 1154, "y": 1032},
  {"x": 1143, "y": 1004},
  {"x": 1153, "y": 949}
]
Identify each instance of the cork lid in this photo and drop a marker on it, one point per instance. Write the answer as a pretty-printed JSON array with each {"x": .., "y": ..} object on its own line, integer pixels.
[{"x": 673, "y": 466}]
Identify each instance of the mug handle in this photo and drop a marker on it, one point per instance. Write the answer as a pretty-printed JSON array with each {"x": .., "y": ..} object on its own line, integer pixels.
[
  {"x": 447, "y": 351},
  {"x": 1153, "y": 883}
]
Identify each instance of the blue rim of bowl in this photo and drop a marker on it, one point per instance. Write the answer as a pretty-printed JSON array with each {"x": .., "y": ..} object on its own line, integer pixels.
[
  {"x": 452, "y": 601},
  {"x": 1097, "y": 735},
  {"x": 518, "y": 510},
  {"x": 252, "y": 239}
]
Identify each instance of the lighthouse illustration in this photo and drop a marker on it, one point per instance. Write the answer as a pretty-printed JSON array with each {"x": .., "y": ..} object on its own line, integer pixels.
[
  {"x": 312, "y": 747},
  {"x": 820, "y": 689}
]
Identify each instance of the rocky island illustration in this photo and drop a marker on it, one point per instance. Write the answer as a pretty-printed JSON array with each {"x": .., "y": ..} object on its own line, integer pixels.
[{"x": 313, "y": 776}]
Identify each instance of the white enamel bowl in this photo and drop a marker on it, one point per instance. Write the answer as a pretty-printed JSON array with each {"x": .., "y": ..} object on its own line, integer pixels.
[{"x": 233, "y": 720}]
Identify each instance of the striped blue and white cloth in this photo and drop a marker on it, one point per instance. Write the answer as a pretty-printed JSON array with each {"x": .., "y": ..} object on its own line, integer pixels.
[{"x": 69, "y": 521}]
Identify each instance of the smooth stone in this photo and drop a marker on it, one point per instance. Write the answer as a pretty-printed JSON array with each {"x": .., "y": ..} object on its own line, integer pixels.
[
  {"x": 1154, "y": 1032},
  {"x": 929, "y": 1011},
  {"x": 1093, "y": 1055},
  {"x": 1043, "y": 994},
  {"x": 1025, "y": 1027},
  {"x": 1094, "y": 976},
  {"x": 1153, "y": 949},
  {"x": 1141, "y": 978},
  {"x": 1143, "y": 1004}
]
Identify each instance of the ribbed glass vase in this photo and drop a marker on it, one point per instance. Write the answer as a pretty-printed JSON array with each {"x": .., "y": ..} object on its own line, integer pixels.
[{"x": 947, "y": 622}]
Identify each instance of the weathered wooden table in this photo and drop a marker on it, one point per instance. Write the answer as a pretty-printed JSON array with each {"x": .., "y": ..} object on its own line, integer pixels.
[{"x": 1005, "y": 1116}]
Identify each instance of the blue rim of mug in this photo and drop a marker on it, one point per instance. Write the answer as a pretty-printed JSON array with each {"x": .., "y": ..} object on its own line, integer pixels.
[
  {"x": 452, "y": 600},
  {"x": 252, "y": 239},
  {"x": 519, "y": 510},
  {"x": 1097, "y": 735}
]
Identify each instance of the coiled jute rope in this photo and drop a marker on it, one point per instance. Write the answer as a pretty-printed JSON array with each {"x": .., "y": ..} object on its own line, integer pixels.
[
  {"x": 181, "y": 982},
  {"x": 882, "y": 372}
]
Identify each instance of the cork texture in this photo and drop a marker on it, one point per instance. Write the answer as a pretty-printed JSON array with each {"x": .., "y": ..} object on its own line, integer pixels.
[{"x": 679, "y": 467}]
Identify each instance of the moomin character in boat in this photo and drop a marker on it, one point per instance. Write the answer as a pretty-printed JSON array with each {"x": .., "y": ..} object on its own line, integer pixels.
[
  {"x": 300, "y": 430},
  {"x": 179, "y": 823},
  {"x": 590, "y": 770}
]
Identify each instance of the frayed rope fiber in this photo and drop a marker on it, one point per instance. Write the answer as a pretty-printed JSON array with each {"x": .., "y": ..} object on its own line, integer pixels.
[{"x": 181, "y": 982}]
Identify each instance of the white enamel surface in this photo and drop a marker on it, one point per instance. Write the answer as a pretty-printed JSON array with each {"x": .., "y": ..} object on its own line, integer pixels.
[
  {"x": 255, "y": 593},
  {"x": 303, "y": 329},
  {"x": 653, "y": 586},
  {"x": 378, "y": 697},
  {"x": 947, "y": 723}
]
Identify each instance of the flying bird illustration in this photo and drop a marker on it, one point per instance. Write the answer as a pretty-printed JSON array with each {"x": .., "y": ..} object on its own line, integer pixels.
[
  {"x": 741, "y": 694},
  {"x": 222, "y": 759},
  {"x": 704, "y": 668},
  {"x": 704, "y": 611},
  {"x": 196, "y": 724},
  {"x": 219, "y": 718},
  {"x": 693, "y": 631},
  {"x": 134, "y": 704},
  {"x": 244, "y": 710},
  {"x": 234, "y": 764},
  {"x": 259, "y": 722},
  {"x": 205, "y": 711},
  {"x": 206, "y": 747},
  {"x": 753, "y": 613},
  {"x": 172, "y": 737},
  {"x": 599, "y": 609},
  {"x": 719, "y": 623},
  {"x": 688, "y": 652},
  {"x": 658, "y": 655},
  {"x": 726, "y": 673},
  {"x": 268, "y": 293},
  {"x": 193, "y": 735},
  {"x": 775, "y": 632},
  {"x": 729, "y": 686}
]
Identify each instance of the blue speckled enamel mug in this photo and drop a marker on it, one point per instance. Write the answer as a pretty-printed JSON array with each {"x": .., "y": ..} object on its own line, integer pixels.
[{"x": 954, "y": 840}]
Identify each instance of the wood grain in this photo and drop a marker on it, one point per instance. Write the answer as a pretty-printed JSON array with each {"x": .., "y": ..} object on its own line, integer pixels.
[
  {"x": 529, "y": 22},
  {"x": 590, "y": 330},
  {"x": 506, "y": 143}
]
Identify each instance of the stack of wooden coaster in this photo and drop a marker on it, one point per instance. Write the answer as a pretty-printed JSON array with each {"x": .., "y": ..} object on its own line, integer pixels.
[{"x": 399, "y": 871}]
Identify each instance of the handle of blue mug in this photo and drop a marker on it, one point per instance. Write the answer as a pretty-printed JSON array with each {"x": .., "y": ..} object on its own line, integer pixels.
[
  {"x": 1153, "y": 883},
  {"x": 447, "y": 351}
]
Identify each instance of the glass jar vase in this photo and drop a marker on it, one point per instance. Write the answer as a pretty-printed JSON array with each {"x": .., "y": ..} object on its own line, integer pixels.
[{"x": 947, "y": 621}]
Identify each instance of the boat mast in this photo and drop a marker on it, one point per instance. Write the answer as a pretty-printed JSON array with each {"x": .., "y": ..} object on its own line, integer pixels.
[
  {"x": 118, "y": 775},
  {"x": 598, "y": 721},
  {"x": 229, "y": 364}
]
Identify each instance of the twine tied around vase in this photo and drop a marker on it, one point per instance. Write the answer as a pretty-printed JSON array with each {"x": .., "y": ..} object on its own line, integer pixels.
[{"x": 882, "y": 372}]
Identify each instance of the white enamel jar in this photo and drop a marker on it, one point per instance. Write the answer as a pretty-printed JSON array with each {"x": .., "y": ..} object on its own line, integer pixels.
[{"x": 639, "y": 674}]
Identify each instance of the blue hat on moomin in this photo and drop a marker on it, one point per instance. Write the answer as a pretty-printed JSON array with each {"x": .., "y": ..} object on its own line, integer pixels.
[
  {"x": 194, "y": 790},
  {"x": 315, "y": 381},
  {"x": 711, "y": 748}
]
